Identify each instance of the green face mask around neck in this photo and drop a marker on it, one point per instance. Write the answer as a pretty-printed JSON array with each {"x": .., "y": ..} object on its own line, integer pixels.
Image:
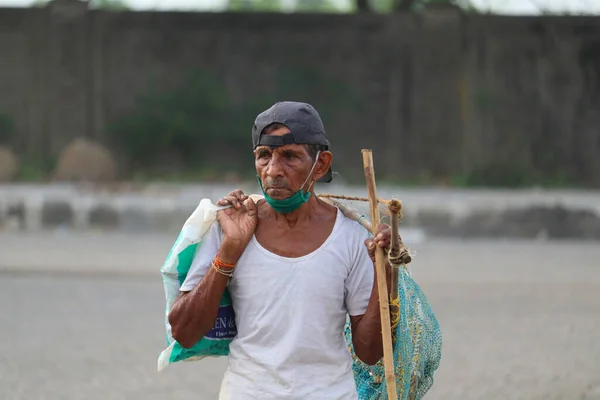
[
  {"x": 287, "y": 205},
  {"x": 293, "y": 202}
]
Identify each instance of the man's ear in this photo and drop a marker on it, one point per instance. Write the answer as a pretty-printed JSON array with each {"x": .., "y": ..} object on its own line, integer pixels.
[{"x": 323, "y": 164}]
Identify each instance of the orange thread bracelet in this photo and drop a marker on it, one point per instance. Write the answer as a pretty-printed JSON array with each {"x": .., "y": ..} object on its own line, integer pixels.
[
  {"x": 220, "y": 264},
  {"x": 228, "y": 274}
]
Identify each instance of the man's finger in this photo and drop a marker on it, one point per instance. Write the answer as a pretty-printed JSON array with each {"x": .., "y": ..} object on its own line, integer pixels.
[
  {"x": 370, "y": 244},
  {"x": 239, "y": 194},
  {"x": 233, "y": 201},
  {"x": 383, "y": 236},
  {"x": 384, "y": 245},
  {"x": 223, "y": 202},
  {"x": 382, "y": 227},
  {"x": 251, "y": 207}
]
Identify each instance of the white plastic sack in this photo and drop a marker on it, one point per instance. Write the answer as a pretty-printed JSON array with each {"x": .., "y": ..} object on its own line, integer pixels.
[{"x": 174, "y": 272}]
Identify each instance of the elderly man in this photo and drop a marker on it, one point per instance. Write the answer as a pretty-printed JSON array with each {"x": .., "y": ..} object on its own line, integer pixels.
[{"x": 295, "y": 267}]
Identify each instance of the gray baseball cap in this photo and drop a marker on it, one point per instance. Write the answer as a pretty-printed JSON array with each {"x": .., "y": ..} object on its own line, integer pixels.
[{"x": 303, "y": 121}]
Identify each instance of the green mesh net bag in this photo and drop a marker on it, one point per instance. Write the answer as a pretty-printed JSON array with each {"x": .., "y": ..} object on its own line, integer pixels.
[
  {"x": 417, "y": 347},
  {"x": 416, "y": 335}
]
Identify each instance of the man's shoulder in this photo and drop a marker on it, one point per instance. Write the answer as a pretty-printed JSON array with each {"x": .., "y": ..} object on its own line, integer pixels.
[{"x": 352, "y": 228}]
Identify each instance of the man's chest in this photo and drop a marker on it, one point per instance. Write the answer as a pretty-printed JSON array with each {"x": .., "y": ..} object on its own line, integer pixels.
[
  {"x": 260, "y": 277},
  {"x": 294, "y": 243}
]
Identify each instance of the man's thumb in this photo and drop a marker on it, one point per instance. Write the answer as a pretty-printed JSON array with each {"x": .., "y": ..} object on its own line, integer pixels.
[{"x": 252, "y": 207}]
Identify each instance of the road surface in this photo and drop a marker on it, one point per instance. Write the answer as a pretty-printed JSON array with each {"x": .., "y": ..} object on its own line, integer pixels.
[{"x": 82, "y": 319}]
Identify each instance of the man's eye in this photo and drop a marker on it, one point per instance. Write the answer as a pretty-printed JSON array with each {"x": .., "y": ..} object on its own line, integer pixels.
[{"x": 263, "y": 154}]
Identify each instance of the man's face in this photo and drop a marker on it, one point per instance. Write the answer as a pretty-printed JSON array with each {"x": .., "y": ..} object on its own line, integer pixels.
[{"x": 283, "y": 169}]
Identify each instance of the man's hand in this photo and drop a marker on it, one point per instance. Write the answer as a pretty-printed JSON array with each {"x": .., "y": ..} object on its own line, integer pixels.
[
  {"x": 383, "y": 239},
  {"x": 238, "y": 222}
]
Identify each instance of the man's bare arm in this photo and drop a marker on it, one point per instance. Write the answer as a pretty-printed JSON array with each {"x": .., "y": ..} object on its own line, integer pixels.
[
  {"x": 366, "y": 328},
  {"x": 194, "y": 313}
]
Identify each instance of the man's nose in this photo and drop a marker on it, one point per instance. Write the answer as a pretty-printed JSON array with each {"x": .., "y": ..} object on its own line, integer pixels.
[{"x": 275, "y": 167}]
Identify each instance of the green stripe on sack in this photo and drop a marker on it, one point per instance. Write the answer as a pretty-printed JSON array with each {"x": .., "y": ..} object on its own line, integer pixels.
[
  {"x": 184, "y": 261},
  {"x": 200, "y": 349}
]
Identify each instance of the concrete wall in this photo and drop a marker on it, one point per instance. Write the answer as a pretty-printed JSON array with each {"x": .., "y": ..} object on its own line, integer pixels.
[
  {"x": 441, "y": 95},
  {"x": 428, "y": 212}
]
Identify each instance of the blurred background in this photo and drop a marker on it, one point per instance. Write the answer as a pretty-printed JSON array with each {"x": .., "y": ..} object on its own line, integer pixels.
[{"x": 118, "y": 116}]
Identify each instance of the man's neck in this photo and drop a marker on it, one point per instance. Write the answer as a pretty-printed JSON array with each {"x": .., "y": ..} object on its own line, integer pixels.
[{"x": 303, "y": 214}]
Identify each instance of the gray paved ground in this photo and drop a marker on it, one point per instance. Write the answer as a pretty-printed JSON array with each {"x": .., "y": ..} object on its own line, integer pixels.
[{"x": 520, "y": 320}]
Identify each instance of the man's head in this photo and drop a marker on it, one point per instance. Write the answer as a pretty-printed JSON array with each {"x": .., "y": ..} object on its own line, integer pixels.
[{"x": 290, "y": 148}]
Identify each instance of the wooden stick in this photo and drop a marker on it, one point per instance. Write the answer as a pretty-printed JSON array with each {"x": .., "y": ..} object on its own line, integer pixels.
[
  {"x": 349, "y": 212},
  {"x": 354, "y": 198},
  {"x": 398, "y": 253},
  {"x": 384, "y": 306},
  {"x": 403, "y": 256},
  {"x": 394, "y": 207}
]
